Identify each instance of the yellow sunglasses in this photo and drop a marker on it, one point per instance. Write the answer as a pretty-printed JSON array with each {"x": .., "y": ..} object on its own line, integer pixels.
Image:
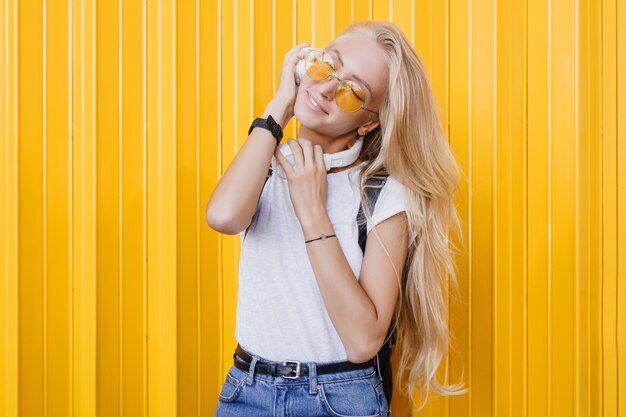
[{"x": 348, "y": 95}]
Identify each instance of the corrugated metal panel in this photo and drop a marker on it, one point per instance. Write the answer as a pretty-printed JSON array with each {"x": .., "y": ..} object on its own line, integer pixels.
[{"x": 117, "y": 119}]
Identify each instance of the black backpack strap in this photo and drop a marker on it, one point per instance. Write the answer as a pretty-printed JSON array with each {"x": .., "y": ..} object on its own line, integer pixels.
[
  {"x": 373, "y": 187},
  {"x": 267, "y": 177}
]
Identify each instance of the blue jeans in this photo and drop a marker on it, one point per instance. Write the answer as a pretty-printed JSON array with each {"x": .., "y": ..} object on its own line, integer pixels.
[{"x": 356, "y": 393}]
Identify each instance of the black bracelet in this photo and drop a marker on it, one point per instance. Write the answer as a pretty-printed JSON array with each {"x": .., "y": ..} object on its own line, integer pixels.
[
  {"x": 319, "y": 238},
  {"x": 269, "y": 124}
]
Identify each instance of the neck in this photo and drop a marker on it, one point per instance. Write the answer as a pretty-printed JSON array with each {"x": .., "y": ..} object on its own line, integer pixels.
[{"x": 328, "y": 144}]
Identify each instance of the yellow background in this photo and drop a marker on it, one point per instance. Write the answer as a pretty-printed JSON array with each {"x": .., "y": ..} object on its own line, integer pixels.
[{"x": 117, "y": 118}]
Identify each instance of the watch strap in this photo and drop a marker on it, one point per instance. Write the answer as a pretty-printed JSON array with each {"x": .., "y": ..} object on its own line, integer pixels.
[{"x": 269, "y": 124}]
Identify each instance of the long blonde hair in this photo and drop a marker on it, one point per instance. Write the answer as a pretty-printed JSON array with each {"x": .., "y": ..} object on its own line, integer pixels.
[{"x": 410, "y": 145}]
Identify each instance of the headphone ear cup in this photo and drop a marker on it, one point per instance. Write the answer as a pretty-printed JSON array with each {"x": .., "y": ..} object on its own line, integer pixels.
[
  {"x": 301, "y": 67},
  {"x": 300, "y": 71}
]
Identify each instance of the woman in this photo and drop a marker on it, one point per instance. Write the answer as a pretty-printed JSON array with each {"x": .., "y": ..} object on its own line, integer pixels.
[{"x": 314, "y": 310}]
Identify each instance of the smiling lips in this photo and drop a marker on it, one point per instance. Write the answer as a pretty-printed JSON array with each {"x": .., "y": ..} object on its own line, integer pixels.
[{"x": 314, "y": 104}]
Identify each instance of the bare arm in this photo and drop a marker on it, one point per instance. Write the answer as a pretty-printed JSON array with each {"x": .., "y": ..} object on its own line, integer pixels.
[
  {"x": 234, "y": 200},
  {"x": 361, "y": 311}
]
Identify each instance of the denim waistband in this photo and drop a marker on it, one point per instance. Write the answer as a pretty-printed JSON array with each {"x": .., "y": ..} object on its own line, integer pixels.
[{"x": 312, "y": 379}]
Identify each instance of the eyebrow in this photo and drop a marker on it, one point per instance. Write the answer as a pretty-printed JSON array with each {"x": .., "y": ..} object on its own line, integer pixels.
[{"x": 356, "y": 77}]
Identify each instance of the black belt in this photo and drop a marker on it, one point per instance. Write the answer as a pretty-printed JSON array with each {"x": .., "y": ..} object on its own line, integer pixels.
[{"x": 291, "y": 369}]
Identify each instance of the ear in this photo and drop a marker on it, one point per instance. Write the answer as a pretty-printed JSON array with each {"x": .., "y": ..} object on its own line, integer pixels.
[{"x": 368, "y": 126}]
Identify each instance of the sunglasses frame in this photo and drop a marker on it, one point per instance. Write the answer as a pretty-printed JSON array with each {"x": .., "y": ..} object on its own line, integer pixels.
[{"x": 334, "y": 74}]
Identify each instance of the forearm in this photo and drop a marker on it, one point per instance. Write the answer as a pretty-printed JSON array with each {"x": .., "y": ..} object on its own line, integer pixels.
[
  {"x": 235, "y": 198},
  {"x": 351, "y": 310}
]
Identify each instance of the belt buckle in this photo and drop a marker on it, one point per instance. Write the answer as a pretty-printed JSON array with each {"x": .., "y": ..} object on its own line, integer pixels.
[{"x": 298, "y": 367}]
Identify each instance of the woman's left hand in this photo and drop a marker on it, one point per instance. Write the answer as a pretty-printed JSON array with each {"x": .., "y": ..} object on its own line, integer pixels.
[{"x": 308, "y": 185}]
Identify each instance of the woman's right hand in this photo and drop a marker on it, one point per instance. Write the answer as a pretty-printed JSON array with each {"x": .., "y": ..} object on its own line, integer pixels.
[{"x": 287, "y": 88}]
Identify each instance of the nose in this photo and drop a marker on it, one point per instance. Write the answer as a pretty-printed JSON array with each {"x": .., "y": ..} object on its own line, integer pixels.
[{"x": 328, "y": 86}]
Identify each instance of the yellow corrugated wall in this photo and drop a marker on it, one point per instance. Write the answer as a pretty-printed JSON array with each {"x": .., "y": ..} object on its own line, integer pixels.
[{"x": 117, "y": 118}]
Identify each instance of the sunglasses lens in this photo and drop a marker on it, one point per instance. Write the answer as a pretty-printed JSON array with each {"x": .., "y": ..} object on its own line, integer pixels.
[
  {"x": 319, "y": 64},
  {"x": 349, "y": 96}
]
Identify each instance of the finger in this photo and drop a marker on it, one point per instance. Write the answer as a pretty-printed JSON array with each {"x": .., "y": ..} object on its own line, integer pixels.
[
  {"x": 294, "y": 51},
  {"x": 307, "y": 150},
  {"x": 300, "y": 55},
  {"x": 296, "y": 149},
  {"x": 319, "y": 157},
  {"x": 283, "y": 162},
  {"x": 293, "y": 61},
  {"x": 300, "y": 46}
]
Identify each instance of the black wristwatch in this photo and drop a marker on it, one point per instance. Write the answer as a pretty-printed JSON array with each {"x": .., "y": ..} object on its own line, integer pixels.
[{"x": 269, "y": 124}]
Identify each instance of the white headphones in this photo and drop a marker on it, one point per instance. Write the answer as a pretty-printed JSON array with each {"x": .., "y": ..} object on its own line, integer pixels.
[{"x": 334, "y": 160}]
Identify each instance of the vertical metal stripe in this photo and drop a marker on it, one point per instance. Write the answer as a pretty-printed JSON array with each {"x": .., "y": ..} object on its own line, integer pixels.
[
  {"x": 549, "y": 209},
  {"x": 79, "y": 353},
  {"x": 446, "y": 120},
  {"x": 44, "y": 171},
  {"x": 70, "y": 200},
  {"x": 236, "y": 70},
  {"x": 470, "y": 276},
  {"x": 509, "y": 225},
  {"x": 313, "y": 23},
  {"x": 294, "y": 26},
  {"x": 10, "y": 348},
  {"x": 332, "y": 18},
  {"x": 525, "y": 204},
  {"x": 577, "y": 246},
  {"x": 159, "y": 187},
  {"x": 199, "y": 222},
  {"x": 144, "y": 199},
  {"x": 413, "y": 22},
  {"x": 120, "y": 207},
  {"x": 4, "y": 210},
  {"x": 621, "y": 209},
  {"x": 79, "y": 221},
  {"x": 174, "y": 139},
  {"x": 220, "y": 147},
  {"x": 174, "y": 232},
  {"x": 510, "y": 240},
  {"x": 609, "y": 22},
  {"x": 15, "y": 271},
  {"x": 430, "y": 34},
  {"x": 5, "y": 237},
  {"x": 273, "y": 45},
  {"x": 251, "y": 64},
  {"x": 604, "y": 162},
  {"x": 494, "y": 210},
  {"x": 588, "y": 207},
  {"x": 92, "y": 168}
]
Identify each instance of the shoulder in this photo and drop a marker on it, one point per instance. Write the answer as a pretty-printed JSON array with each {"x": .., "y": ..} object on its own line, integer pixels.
[
  {"x": 395, "y": 188},
  {"x": 391, "y": 200}
]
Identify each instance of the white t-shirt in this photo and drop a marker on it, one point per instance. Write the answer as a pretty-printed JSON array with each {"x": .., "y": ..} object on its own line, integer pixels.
[{"x": 280, "y": 310}]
